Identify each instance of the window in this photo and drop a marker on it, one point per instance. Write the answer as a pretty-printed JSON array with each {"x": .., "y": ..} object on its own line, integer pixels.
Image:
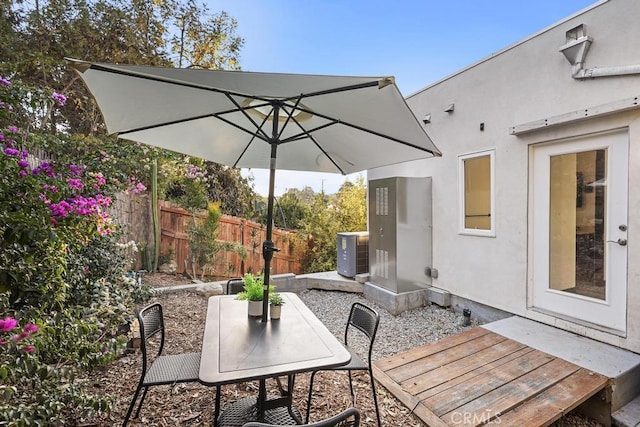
[{"x": 477, "y": 200}]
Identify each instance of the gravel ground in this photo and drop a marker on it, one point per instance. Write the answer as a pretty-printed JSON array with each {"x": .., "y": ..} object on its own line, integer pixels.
[
  {"x": 396, "y": 333},
  {"x": 190, "y": 404}
]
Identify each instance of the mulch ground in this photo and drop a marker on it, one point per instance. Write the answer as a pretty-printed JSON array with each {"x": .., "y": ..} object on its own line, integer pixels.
[{"x": 192, "y": 404}]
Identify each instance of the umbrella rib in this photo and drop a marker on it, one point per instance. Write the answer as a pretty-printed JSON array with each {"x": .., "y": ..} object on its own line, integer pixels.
[
  {"x": 218, "y": 116},
  {"x": 304, "y": 131},
  {"x": 235, "y": 164},
  {"x": 169, "y": 123},
  {"x": 357, "y": 127},
  {"x": 336, "y": 90},
  {"x": 99, "y": 67},
  {"x": 289, "y": 115},
  {"x": 189, "y": 119},
  {"x": 244, "y": 112}
]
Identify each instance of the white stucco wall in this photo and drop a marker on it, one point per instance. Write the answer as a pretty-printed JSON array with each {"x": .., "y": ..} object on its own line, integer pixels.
[{"x": 524, "y": 83}]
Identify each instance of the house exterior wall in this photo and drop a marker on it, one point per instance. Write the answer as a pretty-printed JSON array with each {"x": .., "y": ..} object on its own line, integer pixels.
[{"x": 526, "y": 82}]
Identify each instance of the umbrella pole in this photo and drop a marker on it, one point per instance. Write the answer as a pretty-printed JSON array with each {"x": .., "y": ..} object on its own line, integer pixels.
[{"x": 268, "y": 247}]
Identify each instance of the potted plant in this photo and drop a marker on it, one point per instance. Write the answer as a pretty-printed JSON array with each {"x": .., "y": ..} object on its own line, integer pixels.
[
  {"x": 253, "y": 293},
  {"x": 275, "y": 305}
]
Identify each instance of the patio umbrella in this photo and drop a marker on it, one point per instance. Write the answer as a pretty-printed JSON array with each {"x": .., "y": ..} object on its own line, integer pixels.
[{"x": 274, "y": 121}]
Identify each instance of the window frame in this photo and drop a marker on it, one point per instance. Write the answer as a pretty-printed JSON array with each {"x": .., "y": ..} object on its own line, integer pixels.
[{"x": 491, "y": 232}]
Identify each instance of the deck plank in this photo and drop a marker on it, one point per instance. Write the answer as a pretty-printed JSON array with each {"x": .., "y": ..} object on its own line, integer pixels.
[
  {"x": 460, "y": 366},
  {"x": 403, "y": 358},
  {"x": 512, "y": 394},
  {"x": 472, "y": 374},
  {"x": 555, "y": 402},
  {"x": 423, "y": 365},
  {"x": 479, "y": 376},
  {"x": 482, "y": 384}
]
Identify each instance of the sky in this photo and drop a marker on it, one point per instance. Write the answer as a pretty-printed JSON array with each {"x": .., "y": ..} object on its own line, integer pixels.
[{"x": 417, "y": 41}]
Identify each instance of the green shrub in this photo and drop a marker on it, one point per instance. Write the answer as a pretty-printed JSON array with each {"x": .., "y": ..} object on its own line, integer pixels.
[{"x": 62, "y": 269}]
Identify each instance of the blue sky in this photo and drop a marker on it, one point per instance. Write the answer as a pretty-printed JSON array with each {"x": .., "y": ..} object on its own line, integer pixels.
[{"x": 418, "y": 42}]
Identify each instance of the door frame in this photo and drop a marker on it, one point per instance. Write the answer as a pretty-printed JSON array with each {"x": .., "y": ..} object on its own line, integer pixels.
[{"x": 609, "y": 314}]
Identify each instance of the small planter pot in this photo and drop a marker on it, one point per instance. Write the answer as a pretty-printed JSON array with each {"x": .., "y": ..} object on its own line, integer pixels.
[
  {"x": 255, "y": 308},
  {"x": 274, "y": 311}
]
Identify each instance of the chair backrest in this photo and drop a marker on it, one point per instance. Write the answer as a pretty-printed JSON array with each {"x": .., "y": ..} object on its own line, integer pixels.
[
  {"x": 151, "y": 321},
  {"x": 347, "y": 418},
  {"x": 366, "y": 320},
  {"x": 235, "y": 286}
]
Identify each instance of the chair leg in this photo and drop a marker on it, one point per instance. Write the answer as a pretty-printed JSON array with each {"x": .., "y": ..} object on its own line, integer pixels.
[
  {"x": 353, "y": 395},
  {"x": 131, "y": 405},
  {"x": 313, "y": 374},
  {"x": 375, "y": 396},
  {"x": 216, "y": 412},
  {"x": 144, "y": 394}
]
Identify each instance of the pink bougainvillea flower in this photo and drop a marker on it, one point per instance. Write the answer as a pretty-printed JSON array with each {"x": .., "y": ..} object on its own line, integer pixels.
[
  {"x": 75, "y": 184},
  {"x": 9, "y": 151},
  {"x": 7, "y": 324},
  {"x": 30, "y": 328},
  {"x": 75, "y": 170},
  {"x": 59, "y": 98},
  {"x": 29, "y": 348}
]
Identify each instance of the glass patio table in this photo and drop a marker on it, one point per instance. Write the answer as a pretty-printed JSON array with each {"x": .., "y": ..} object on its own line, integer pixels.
[{"x": 237, "y": 348}]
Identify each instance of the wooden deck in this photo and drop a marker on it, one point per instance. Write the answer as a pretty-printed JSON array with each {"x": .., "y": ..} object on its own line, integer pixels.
[{"x": 479, "y": 377}]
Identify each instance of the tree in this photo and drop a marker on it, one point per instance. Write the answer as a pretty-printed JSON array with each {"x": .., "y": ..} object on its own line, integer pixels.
[
  {"x": 351, "y": 205},
  {"x": 290, "y": 210},
  {"x": 203, "y": 244},
  {"x": 205, "y": 40},
  {"x": 234, "y": 192},
  {"x": 37, "y": 36},
  {"x": 329, "y": 215}
]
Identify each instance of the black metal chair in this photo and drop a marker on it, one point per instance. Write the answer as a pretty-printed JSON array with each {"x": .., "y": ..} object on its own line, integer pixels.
[
  {"x": 234, "y": 286},
  {"x": 348, "y": 418},
  {"x": 365, "y": 320},
  {"x": 159, "y": 369}
]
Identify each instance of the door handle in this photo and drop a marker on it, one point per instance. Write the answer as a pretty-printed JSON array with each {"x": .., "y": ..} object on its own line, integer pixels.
[{"x": 621, "y": 242}]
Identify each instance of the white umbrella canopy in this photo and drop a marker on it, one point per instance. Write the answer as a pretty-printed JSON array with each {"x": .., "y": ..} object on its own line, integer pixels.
[{"x": 324, "y": 123}]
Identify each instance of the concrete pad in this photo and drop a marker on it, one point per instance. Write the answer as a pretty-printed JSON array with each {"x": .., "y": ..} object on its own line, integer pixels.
[
  {"x": 599, "y": 357},
  {"x": 330, "y": 281}
]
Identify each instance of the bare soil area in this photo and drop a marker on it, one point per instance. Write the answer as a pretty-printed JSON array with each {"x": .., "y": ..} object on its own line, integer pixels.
[{"x": 192, "y": 404}]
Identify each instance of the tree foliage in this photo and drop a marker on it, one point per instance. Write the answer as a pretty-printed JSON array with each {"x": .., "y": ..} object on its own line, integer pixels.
[
  {"x": 36, "y": 37},
  {"x": 62, "y": 277},
  {"x": 146, "y": 32},
  {"x": 203, "y": 242},
  {"x": 290, "y": 210},
  {"x": 329, "y": 215}
]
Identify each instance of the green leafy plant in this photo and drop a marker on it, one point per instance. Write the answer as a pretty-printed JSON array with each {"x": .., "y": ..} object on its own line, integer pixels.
[
  {"x": 253, "y": 288},
  {"x": 203, "y": 244},
  {"x": 275, "y": 299}
]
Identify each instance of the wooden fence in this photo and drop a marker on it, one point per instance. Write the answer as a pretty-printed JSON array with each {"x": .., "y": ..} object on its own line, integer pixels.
[{"x": 174, "y": 226}]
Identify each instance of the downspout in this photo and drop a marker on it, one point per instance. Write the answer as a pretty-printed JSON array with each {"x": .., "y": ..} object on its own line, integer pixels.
[
  {"x": 592, "y": 73},
  {"x": 576, "y": 51}
]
